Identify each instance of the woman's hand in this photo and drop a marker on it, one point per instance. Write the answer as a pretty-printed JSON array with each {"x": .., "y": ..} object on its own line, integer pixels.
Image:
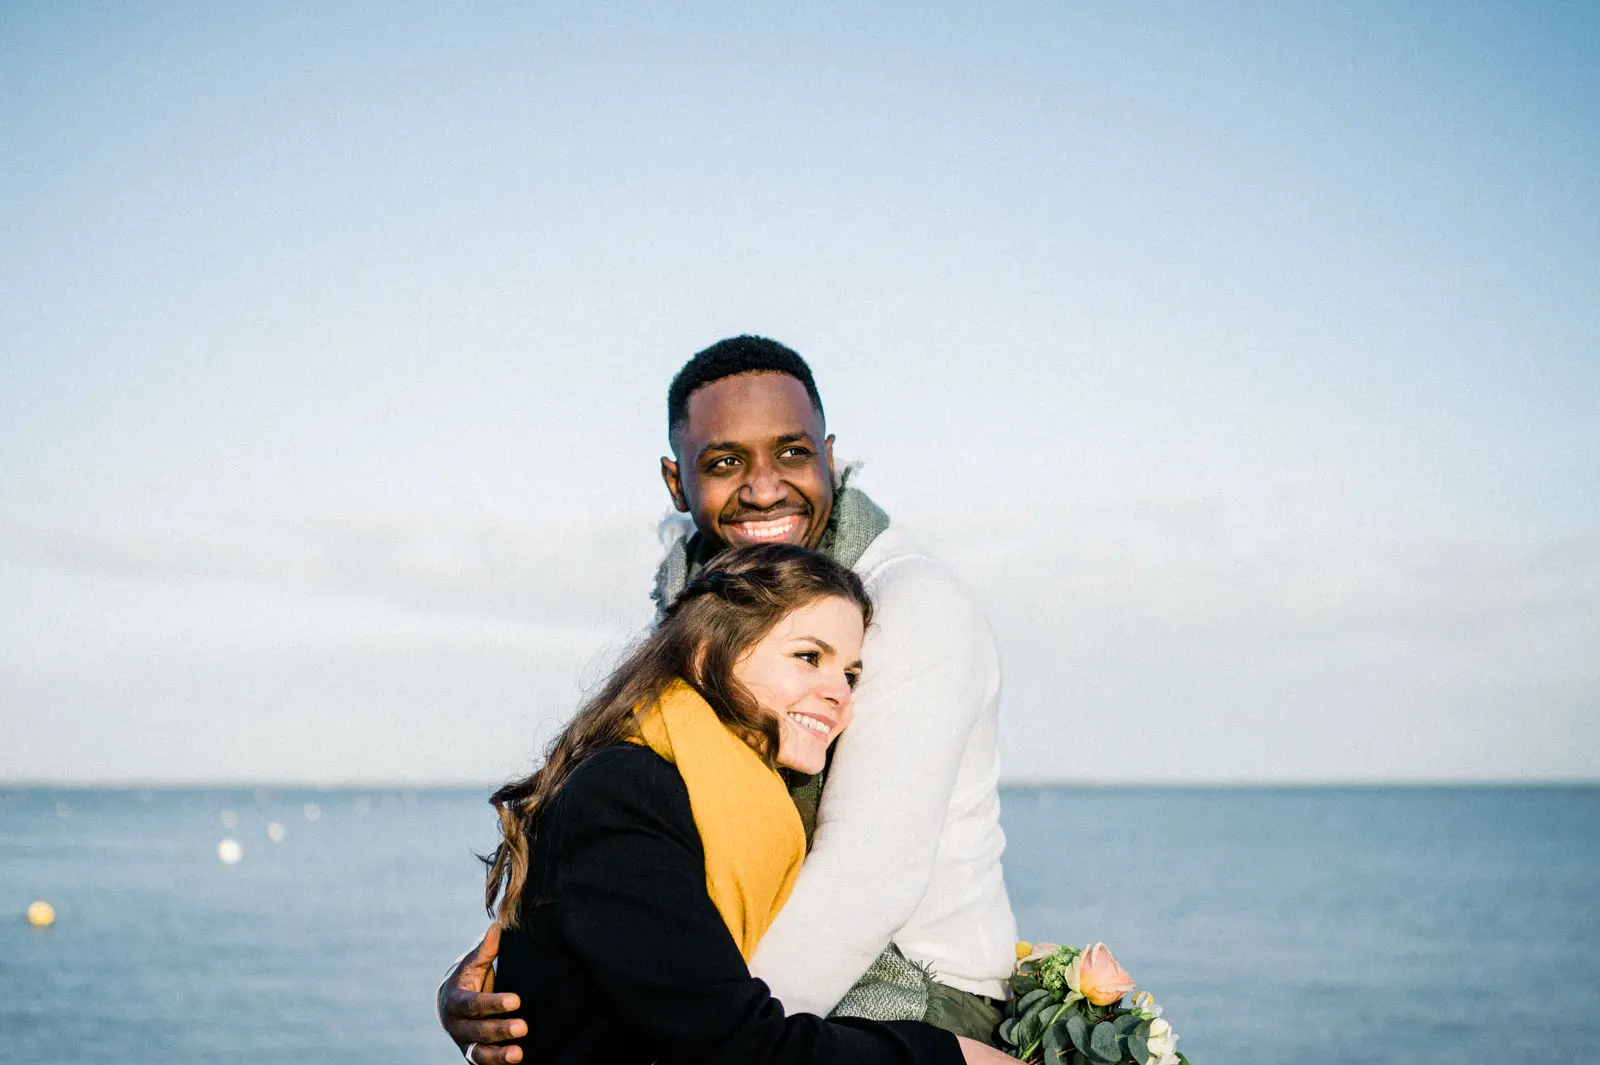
[{"x": 977, "y": 1053}]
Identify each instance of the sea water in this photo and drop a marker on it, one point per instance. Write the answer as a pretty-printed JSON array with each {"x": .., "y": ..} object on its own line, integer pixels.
[{"x": 1393, "y": 925}]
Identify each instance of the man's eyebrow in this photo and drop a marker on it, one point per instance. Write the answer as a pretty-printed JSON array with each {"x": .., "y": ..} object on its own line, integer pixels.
[
  {"x": 722, "y": 445},
  {"x": 793, "y": 438}
]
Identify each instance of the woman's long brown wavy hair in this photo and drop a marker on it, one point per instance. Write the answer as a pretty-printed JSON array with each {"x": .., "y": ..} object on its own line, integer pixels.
[{"x": 725, "y": 610}]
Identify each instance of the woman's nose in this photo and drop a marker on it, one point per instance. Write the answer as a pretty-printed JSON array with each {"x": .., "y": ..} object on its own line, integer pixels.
[{"x": 836, "y": 691}]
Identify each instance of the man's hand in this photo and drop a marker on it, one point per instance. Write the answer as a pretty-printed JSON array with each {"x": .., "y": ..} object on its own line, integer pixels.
[{"x": 467, "y": 999}]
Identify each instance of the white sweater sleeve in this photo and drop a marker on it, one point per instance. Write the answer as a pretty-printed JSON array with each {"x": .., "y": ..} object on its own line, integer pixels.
[{"x": 929, "y": 664}]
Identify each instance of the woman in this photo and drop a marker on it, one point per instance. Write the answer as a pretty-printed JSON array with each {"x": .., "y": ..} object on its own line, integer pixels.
[{"x": 640, "y": 866}]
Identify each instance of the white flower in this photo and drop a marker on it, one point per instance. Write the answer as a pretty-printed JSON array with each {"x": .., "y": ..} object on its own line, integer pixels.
[
  {"x": 1144, "y": 1004},
  {"x": 1160, "y": 1041}
]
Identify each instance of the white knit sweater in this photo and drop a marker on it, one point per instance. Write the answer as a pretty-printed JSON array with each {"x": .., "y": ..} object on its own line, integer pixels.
[{"x": 908, "y": 839}]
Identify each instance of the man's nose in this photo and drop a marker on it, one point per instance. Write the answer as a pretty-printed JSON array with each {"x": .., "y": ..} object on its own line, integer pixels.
[{"x": 763, "y": 487}]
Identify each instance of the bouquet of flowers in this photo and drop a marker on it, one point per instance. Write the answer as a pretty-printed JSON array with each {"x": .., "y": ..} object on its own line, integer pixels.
[{"x": 1067, "y": 1008}]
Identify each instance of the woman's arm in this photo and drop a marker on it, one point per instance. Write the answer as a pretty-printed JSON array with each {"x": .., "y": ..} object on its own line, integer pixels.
[{"x": 631, "y": 901}]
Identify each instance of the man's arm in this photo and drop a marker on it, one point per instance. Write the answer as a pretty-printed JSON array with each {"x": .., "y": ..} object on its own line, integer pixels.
[
  {"x": 930, "y": 669},
  {"x": 467, "y": 1003}
]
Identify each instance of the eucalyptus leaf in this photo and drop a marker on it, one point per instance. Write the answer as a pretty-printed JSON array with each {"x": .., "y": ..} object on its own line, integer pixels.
[
  {"x": 1126, "y": 1023},
  {"x": 1055, "y": 1038},
  {"x": 1007, "y": 1027},
  {"x": 1028, "y": 1029},
  {"x": 1032, "y": 1024},
  {"x": 1138, "y": 1048},
  {"x": 1104, "y": 1044},
  {"x": 1040, "y": 1006},
  {"x": 1022, "y": 985},
  {"x": 1078, "y": 1032},
  {"x": 1031, "y": 999}
]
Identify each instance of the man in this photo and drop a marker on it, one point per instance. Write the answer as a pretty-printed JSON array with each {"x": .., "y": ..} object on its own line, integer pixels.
[{"x": 903, "y": 877}]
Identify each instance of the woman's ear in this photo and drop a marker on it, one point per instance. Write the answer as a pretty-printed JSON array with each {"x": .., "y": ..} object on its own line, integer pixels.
[{"x": 697, "y": 665}]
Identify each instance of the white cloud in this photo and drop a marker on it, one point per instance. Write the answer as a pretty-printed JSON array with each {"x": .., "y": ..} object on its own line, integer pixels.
[{"x": 1220, "y": 640}]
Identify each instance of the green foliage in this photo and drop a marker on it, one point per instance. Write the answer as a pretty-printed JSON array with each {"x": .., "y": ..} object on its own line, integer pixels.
[
  {"x": 1104, "y": 1044},
  {"x": 1138, "y": 1049},
  {"x": 1032, "y": 999},
  {"x": 1056, "y": 1040},
  {"x": 1078, "y": 1032},
  {"x": 1034, "y": 1018}
]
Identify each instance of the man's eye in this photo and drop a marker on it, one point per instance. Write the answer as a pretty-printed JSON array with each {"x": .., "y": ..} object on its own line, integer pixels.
[
  {"x": 725, "y": 463},
  {"x": 796, "y": 452}
]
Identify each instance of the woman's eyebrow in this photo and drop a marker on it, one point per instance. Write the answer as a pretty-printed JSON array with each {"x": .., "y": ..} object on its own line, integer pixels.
[{"x": 824, "y": 644}]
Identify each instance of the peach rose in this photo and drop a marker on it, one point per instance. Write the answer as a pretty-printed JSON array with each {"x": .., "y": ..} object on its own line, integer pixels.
[{"x": 1097, "y": 977}]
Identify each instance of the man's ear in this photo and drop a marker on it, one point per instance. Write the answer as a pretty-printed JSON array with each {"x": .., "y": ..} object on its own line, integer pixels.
[
  {"x": 669, "y": 477},
  {"x": 827, "y": 445}
]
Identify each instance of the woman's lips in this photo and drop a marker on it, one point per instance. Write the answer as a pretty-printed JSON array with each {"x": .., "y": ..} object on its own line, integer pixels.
[
  {"x": 772, "y": 530},
  {"x": 810, "y": 723}
]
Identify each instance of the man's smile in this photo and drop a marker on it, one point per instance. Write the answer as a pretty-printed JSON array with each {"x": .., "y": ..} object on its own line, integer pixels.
[{"x": 789, "y": 528}]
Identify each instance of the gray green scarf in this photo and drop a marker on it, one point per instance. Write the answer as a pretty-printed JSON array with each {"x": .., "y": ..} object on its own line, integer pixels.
[{"x": 855, "y": 522}]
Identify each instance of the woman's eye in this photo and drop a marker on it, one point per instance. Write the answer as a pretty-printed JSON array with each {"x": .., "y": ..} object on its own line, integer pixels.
[
  {"x": 852, "y": 678},
  {"x": 809, "y": 657}
]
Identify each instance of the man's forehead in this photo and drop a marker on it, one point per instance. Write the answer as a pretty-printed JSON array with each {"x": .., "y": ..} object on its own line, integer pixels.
[{"x": 750, "y": 408}]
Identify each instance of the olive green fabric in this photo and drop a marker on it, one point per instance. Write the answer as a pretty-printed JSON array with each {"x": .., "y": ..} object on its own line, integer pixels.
[{"x": 964, "y": 1013}]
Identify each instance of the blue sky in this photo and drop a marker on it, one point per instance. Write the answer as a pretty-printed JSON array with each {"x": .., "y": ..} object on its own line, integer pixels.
[{"x": 1245, "y": 360}]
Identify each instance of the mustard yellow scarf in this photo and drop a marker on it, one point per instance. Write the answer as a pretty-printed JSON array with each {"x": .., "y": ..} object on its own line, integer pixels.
[{"x": 753, "y": 839}]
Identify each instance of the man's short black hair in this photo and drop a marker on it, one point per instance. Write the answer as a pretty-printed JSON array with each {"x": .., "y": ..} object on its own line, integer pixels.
[{"x": 728, "y": 358}]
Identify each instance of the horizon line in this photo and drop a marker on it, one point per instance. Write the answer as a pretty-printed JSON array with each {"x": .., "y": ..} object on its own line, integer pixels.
[{"x": 1021, "y": 783}]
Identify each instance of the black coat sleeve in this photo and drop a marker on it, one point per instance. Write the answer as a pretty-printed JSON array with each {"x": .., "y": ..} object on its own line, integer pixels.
[{"x": 632, "y": 903}]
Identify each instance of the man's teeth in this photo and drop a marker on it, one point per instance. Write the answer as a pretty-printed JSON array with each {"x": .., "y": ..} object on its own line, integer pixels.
[
  {"x": 769, "y": 530},
  {"x": 811, "y": 723}
]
